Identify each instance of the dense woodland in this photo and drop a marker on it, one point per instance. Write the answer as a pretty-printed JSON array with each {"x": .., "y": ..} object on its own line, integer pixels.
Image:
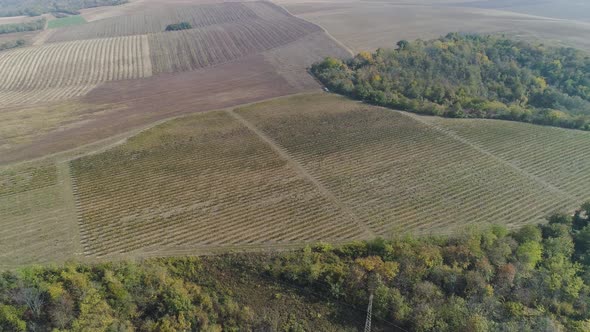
[
  {"x": 21, "y": 27},
  {"x": 536, "y": 278},
  {"x": 470, "y": 76},
  {"x": 39, "y": 7}
]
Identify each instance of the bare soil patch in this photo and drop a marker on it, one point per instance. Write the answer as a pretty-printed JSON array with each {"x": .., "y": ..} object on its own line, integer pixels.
[{"x": 139, "y": 102}]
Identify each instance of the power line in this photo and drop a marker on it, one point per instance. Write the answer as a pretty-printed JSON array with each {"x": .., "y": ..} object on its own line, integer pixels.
[
  {"x": 326, "y": 286},
  {"x": 369, "y": 314}
]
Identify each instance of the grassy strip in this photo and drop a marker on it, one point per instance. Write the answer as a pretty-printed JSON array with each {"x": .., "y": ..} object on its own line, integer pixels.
[{"x": 66, "y": 22}]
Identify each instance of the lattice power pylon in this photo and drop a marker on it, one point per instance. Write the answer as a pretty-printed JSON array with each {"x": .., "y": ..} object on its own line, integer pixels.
[{"x": 369, "y": 314}]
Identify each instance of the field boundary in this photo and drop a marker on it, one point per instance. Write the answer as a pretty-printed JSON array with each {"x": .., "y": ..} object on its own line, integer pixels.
[
  {"x": 341, "y": 44},
  {"x": 283, "y": 154},
  {"x": 116, "y": 140}
]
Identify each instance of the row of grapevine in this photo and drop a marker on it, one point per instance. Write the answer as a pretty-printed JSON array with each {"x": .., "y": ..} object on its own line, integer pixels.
[
  {"x": 26, "y": 178},
  {"x": 19, "y": 97},
  {"x": 398, "y": 174},
  {"x": 75, "y": 63},
  {"x": 155, "y": 19},
  {"x": 34, "y": 217},
  {"x": 558, "y": 156},
  {"x": 196, "y": 182},
  {"x": 197, "y": 48}
]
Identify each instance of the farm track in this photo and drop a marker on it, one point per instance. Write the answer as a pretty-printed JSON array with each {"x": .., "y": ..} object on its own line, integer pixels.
[{"x": 303, "y": 172}]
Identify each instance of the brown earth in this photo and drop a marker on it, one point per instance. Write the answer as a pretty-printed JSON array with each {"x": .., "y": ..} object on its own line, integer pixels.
[{"x": 140, "y": 102}]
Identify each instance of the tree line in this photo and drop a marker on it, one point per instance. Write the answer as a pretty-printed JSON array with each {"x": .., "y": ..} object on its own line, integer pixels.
[
  {"x": 22, "y": 27},
  {"x": 39, "y": 7},
  {"x": 536, "y": 278},
  {"x": 12, "y": 44},
  {"x": 470, "y": 76}
]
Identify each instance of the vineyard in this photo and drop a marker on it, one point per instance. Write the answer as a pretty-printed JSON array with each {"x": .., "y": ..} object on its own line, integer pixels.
[
  {"x": 68, "y": 69},
  {"x": 197, "y": 48},
  {"x": 77, "y": 59},
  {"x": 17, "y": 97},
  {"x": 38, "y": 216},
  {"x": 294, "y": 170},
  {"x": 200, "y": 181},
  {"x": 155, "y": 20},
  {"x": 300, "y": 169},
  {"x": 398, "y": 174},
  {"x": 559, "y": 157}
]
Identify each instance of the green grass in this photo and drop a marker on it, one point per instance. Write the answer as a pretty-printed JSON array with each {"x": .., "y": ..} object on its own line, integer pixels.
[{"x": 66, "y": 22}]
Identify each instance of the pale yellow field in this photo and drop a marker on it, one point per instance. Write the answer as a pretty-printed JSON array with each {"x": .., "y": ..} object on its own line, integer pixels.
[{"x": 371, "y": 25}]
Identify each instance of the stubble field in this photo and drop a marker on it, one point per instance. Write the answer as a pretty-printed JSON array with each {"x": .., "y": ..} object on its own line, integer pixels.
[{"x": 363, "y": 25}]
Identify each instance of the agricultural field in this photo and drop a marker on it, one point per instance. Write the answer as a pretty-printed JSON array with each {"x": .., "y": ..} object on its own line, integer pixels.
[
  {"x": 294, "y": 170},
  {"x": 155, "y": 19},
  {"x": 364, "y": 25},
  {"x": 206, "y": 180},
  {"x": 72, "y": 68},
  {"x": 71, "y": 61},
  {"x": 39, "y": 223},
  {"x": 66, "y": 22},
  {"x": 555, "y": 156},
  {"x": 397, "y": 173},
  {"x": 226, "y": 65},
  {"x": 196, "y": 48}
]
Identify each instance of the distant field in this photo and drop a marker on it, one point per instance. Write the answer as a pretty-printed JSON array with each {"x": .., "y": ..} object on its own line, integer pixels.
[
  {"x": 398, "y": 174},
  {"x": 62, "y": 70},
  {"x": 197, "y": 48},
  {"x": 155, "y": 19},
  {"x": 66, "y": 22},
  {"x": 365, "y": 25},
  {"x": 70, "y": 62}
]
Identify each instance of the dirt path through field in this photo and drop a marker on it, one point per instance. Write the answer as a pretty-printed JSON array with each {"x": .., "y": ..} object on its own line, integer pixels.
[
  {"x": 64, "y": 179},
  {"x": 304, "y": 173},
  {"x": 500, "y": 160}
]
